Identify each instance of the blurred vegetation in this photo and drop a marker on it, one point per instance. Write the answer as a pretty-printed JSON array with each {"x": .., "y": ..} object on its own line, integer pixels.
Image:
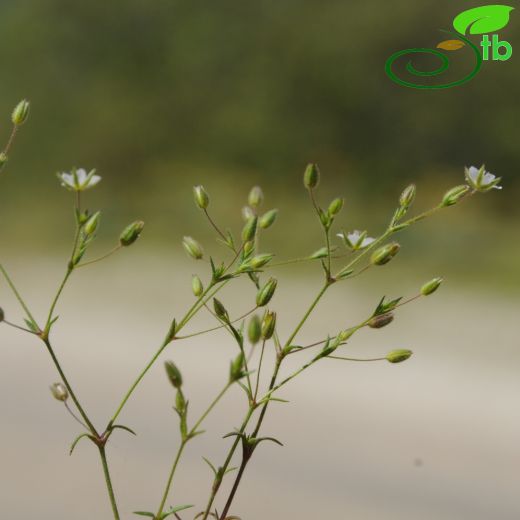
[{"x": 161, "y": 94}]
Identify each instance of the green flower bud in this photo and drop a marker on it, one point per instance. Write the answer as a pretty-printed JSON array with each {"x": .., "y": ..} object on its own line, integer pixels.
[
  {"x": 256, "y": 197},
  {"x": 20, "y": 113},
  {"x": 3, "y": 159},
  {"x": 345, "y": 334},
  {"x": 335, "y": 207},
  {"x": 268, "y": 325},
  {"x": 453, "y": 196},
  {"x": 431, "y": 286},
  {"x": 173, "y": 373},
  {"x": 236, "y": 371},
  {"x": 248, "y": 233},
  {"x": 201, "y": 197},
  {"x": 322, "y": 252},
  {"x": 266, "y": 292},
  {"x": 247, "y": 213},
  {"x": 248, "y": 247},
  {"x": 311, "y": 177},
  {"x": 408, "y": 196},
  {"x": 193, "y": 248},
  {"x": 254, "y": 330},
  {"x": 59, "y": 392},
  {"x": 196, "y": 285},
  {"x": 258, "y": 261},
  {"x": 92, "y": 224},
  {"x": 180, "y": 402},
  {"x": 384, "y": 254},
  {"x": 268, "y": 218},
  {"x": 398, "y": 356},
  {"x": 131, "y": 233},
  {"x": 2, "y": 315},
  {"x": 378, "y": 322},
  {"x": 220, "y": 310}
]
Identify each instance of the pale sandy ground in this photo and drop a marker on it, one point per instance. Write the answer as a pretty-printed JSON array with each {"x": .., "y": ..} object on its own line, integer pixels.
[{"x": 436, "y": 438}]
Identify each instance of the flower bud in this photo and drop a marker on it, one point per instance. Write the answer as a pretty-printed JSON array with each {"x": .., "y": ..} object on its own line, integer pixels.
[
  {"x": 248, "y": 247},
  {"x": 20, "y": 113},
  {"x": 92, "y": 224},
  {"x": 220, "y": 310},
  {"x": 453, "y": 196},
  {"x": 247, "y": 213},
  {"x": 408, "y": 196},
  {"x": 254, "y": 330},
  {"x": 131, "y": 233},
  {"x": 196, "y": 285},
  {"x": 335, "y": 207},
  {"x": 384, "y": 254},
  {"x": 201, "y": 197},
  {"x": 248, "y": 233},
  {"x": 258, "y": 261},
  {"x": 345, "y": 334},
  {"x": 173, "y": 373},
  {"x": 378, "y": 322},
  {"x": 2, "y": 315},
  {"x": 268, "y": 325},
  {"x": 322, "y": 252},
  {"x": 398, "y": 356},
  {"x": 311, "y": 177},
  {"x": 3, "y": 159},
  {"x": 268, "y": 218},
  {"x": 193, "y": 248},
  {"x": 431, "y": 286},
  {"x": 236, "y": 369},
  {"x": 265, "y": 293},
  {"x": 59, "y": 391},
  {"x": 256, "y": 197},
  {"x": 180, "y": 402}
]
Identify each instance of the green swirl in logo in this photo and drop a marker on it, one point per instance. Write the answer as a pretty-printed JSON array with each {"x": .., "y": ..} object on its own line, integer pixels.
[{"x": 445, "y": 63}]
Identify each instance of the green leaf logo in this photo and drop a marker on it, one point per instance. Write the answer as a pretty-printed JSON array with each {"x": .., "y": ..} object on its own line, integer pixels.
[{"x": 481, "y": 20}]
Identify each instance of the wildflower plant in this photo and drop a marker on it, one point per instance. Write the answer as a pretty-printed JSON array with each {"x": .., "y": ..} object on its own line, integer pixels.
[{"x": 259, "y": 346}]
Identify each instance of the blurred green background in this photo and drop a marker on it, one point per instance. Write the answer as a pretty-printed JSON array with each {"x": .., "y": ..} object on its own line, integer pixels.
[{"x": 160, "y": 95}]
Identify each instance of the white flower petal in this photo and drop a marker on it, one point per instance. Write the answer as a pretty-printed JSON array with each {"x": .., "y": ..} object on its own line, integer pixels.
[
  {"x": 473, "y": 173},
  {"x": 488, "y": 178},
  {"x": 81, "y": 175},
  {"x": 93, "y": 181},
  {"x": 366, "y": 242}
]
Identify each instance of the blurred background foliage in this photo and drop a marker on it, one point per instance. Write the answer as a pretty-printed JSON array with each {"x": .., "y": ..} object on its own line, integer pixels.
[{"x": 159, "y": 95}]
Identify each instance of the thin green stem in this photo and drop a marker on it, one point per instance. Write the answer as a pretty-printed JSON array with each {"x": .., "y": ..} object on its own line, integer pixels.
[
  {"x": 259, "y": 370},
  {"x": 106, "y": 255},
  {"x": 190, "y": 435},
  {"x": 170, "y": 478},
  {"x": 19, "y": 327},
  {"x": 189, "y": 314},
  {"x": 356, "y": 359},
  {"x": 17, "y": 295},
  {"x": 108, "y": 481},
  {"x": 69, "y": 388},
  {"x": 308, "y": 313},
  {"x": 218, "y": 327},
  {"x": 57, "y": 297},
  {"x": 218, "y": 479},
  {"x": 10, "y": 141}
]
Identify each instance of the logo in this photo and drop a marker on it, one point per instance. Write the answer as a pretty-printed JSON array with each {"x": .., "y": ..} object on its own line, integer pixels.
[{"x": 477, "y": 21}]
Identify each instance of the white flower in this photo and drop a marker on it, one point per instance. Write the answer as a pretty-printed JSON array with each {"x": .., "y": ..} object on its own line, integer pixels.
[
  {"x": 481, "y": 180},
  {"x": 356, "y": 239},
  {"x": 79, "y": 180}
]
